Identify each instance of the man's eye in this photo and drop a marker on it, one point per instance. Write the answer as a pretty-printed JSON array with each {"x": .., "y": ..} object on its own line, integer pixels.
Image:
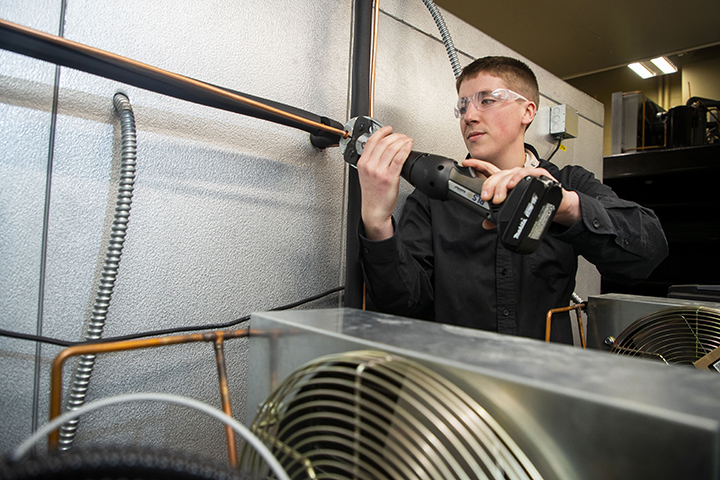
[
  {"x": 463, "y": 109},
  {"x": 488, "y": 101}
]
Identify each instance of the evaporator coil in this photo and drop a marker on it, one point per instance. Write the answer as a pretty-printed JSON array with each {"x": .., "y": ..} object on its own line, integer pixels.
[
  {"x": 678, "y": 335},
  {"x": 373, "y": 415}
]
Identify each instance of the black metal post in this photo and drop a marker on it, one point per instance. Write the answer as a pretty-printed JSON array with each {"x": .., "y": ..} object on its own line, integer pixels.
[{"x": 359, "y": 105}]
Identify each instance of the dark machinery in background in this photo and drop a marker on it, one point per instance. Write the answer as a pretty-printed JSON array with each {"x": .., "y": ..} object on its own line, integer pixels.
[
  {"x": 695, "y": 123},
  {"x": 639, "y": 124},
  {"x": 668, "y": 161}
]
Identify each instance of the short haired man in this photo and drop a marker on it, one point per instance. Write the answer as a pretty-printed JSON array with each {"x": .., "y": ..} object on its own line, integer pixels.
[{"x": 441, "y": 263}]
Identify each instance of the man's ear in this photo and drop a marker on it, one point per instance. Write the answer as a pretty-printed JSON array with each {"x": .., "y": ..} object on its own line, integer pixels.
[{"x": 529, "y": 115}]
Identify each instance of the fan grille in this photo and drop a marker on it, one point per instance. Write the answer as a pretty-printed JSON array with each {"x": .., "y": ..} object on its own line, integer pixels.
[
  {"x": 371, "y": 415},
  {"x": 677, "y": 335}
]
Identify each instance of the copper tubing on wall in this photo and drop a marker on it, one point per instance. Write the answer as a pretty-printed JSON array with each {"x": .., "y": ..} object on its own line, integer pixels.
[
  {"x": 225, "y": 398},
  {"x": 95, "y": 348},
  {"x": 548, "y": 320},
  {"x": 373, "y": 62},
  {"x": 371, "y": 100},
  {"x": 45, "y": 46}
]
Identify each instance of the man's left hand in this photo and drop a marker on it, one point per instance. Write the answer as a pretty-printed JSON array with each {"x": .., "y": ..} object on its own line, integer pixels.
[{"x": 500, "y": 182}]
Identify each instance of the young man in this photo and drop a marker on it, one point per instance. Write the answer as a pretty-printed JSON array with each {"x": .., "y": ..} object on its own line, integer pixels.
[{"x": 442, "y": 263}]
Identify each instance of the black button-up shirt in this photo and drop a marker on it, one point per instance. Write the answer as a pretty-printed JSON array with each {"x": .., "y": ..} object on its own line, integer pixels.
[{"x": 442, "y": 265}]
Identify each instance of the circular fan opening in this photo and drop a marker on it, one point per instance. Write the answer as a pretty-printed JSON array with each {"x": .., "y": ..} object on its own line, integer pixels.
[
  {"x": 677, "y": 335},
  {"x": 371, "y": 415}
]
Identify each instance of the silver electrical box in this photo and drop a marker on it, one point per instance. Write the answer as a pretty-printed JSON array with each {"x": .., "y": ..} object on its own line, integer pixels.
[{"x": 563, "y": 121}]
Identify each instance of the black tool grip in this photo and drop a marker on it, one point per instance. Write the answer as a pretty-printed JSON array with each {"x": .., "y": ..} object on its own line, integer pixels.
[{"x": 522, "y": 219}]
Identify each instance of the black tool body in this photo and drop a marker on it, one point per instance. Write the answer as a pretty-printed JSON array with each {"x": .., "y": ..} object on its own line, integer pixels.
[{"x": 522, "y": 219}]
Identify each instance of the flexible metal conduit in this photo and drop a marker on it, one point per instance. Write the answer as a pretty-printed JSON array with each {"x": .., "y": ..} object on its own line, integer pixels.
[
  {"x": 83, "y": 372},
  {"x": 445, "y": 34}
]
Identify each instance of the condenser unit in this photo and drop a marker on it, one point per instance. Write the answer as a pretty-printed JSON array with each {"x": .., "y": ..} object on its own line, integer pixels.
[{"x": 353, "y": 394}]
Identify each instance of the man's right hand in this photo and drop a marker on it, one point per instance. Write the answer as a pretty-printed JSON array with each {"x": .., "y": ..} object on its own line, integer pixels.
[{"x": 379, "y": 169}]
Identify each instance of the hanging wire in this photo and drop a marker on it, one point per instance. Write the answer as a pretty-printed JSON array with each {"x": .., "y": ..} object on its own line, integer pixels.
[{"x": 557, "y": 147}]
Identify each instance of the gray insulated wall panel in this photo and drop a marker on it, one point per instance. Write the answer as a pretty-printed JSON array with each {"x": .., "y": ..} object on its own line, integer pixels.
[{"x": 230, "y": 214}]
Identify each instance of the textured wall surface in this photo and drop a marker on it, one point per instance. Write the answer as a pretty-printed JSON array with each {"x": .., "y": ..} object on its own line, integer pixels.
[{"x": 230, "y": 214}]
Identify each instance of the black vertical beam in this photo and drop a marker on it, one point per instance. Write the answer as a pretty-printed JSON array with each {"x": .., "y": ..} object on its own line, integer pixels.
[{"x": 359, "y": 105}]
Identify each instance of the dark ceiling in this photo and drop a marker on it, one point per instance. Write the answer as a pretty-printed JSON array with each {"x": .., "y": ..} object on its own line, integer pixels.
[{"x": 572, "y": 38}]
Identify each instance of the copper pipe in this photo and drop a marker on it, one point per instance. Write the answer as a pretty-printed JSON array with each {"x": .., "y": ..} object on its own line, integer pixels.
[
  {"x": 127, "y": 62},
  {"x": 371, "y": 109},
  {"x": 548, "y": 320},
  {"x": 274, "y": 336},
  {"x": 225, "y": 398},
  {"x": 580, "y": 327},
  {"x": 95, "y": 348},
  {"x": 373, "y": 63},
  {"x": 649, "y": 147}
]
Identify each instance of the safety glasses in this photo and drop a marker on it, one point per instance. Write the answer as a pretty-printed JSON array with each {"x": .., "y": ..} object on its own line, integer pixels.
[{"x": 486, "y": 100}]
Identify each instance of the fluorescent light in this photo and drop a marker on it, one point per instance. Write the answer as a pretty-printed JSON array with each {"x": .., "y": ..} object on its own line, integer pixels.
[
  {"x": 664, "y": 64},
  {"x": 641, "y": 70}
]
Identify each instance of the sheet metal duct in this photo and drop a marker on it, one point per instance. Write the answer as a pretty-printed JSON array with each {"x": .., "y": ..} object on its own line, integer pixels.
[{"x": 577, "y": 414}]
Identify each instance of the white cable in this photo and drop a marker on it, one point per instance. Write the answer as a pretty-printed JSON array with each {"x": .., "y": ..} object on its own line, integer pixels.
[{"x": 163, "y": 397}]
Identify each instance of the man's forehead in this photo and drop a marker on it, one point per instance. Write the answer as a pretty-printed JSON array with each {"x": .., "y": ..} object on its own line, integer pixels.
[{"x": 482, "y": 82}]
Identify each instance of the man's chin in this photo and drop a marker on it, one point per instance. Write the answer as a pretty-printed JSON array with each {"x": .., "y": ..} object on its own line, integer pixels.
[{"x": 480, "y": 153}]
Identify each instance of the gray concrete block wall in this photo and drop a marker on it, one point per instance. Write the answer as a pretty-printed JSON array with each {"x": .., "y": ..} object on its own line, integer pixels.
[{"x": 230, "y": 214}]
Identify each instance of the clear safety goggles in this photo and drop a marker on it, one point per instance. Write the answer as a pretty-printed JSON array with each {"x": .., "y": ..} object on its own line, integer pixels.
[{"x": 486, "y": 100}]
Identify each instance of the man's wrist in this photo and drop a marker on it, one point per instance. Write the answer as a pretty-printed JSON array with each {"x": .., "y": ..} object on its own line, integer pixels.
[
  {"x": 569, "y": 211},
  {"x": 378, "y": 231}
]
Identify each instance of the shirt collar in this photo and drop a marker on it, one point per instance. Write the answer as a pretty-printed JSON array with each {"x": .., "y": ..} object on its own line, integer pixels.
[{"x": 531, "y": 160}]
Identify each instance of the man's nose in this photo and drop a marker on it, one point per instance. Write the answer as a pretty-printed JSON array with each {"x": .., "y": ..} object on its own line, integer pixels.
[{"x": 471, "y": 113}]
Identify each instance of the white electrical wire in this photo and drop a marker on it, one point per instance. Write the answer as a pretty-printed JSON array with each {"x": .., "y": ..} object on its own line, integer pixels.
[{"x": 163, "y": 397}]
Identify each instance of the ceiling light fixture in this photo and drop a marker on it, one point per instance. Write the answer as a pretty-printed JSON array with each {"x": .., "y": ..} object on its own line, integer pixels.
[
  {"x": 664, "y": 65},
  {"x": 654, "y": 67},
  {"x": 641, "y": 70}
]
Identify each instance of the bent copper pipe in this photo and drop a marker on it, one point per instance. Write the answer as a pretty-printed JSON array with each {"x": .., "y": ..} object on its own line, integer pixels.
[
  {"x": 548, "y": 320},
  {"x": 95, "y": 348}
]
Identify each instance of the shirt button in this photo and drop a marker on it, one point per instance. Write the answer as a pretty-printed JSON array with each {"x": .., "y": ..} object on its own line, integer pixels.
[
  {"x": 506, "y": 312},
  {"x": 504, "y": 271},
  {"x": 366, "y": 250},
  {"x": 625, "y": 241},
  {"x": 596, "y": 223}
]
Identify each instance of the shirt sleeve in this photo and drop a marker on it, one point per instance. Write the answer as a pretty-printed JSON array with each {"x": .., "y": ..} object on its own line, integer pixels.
[
  {"x": 398, "y": 271},
  {"x": 623, "y": 239}
]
